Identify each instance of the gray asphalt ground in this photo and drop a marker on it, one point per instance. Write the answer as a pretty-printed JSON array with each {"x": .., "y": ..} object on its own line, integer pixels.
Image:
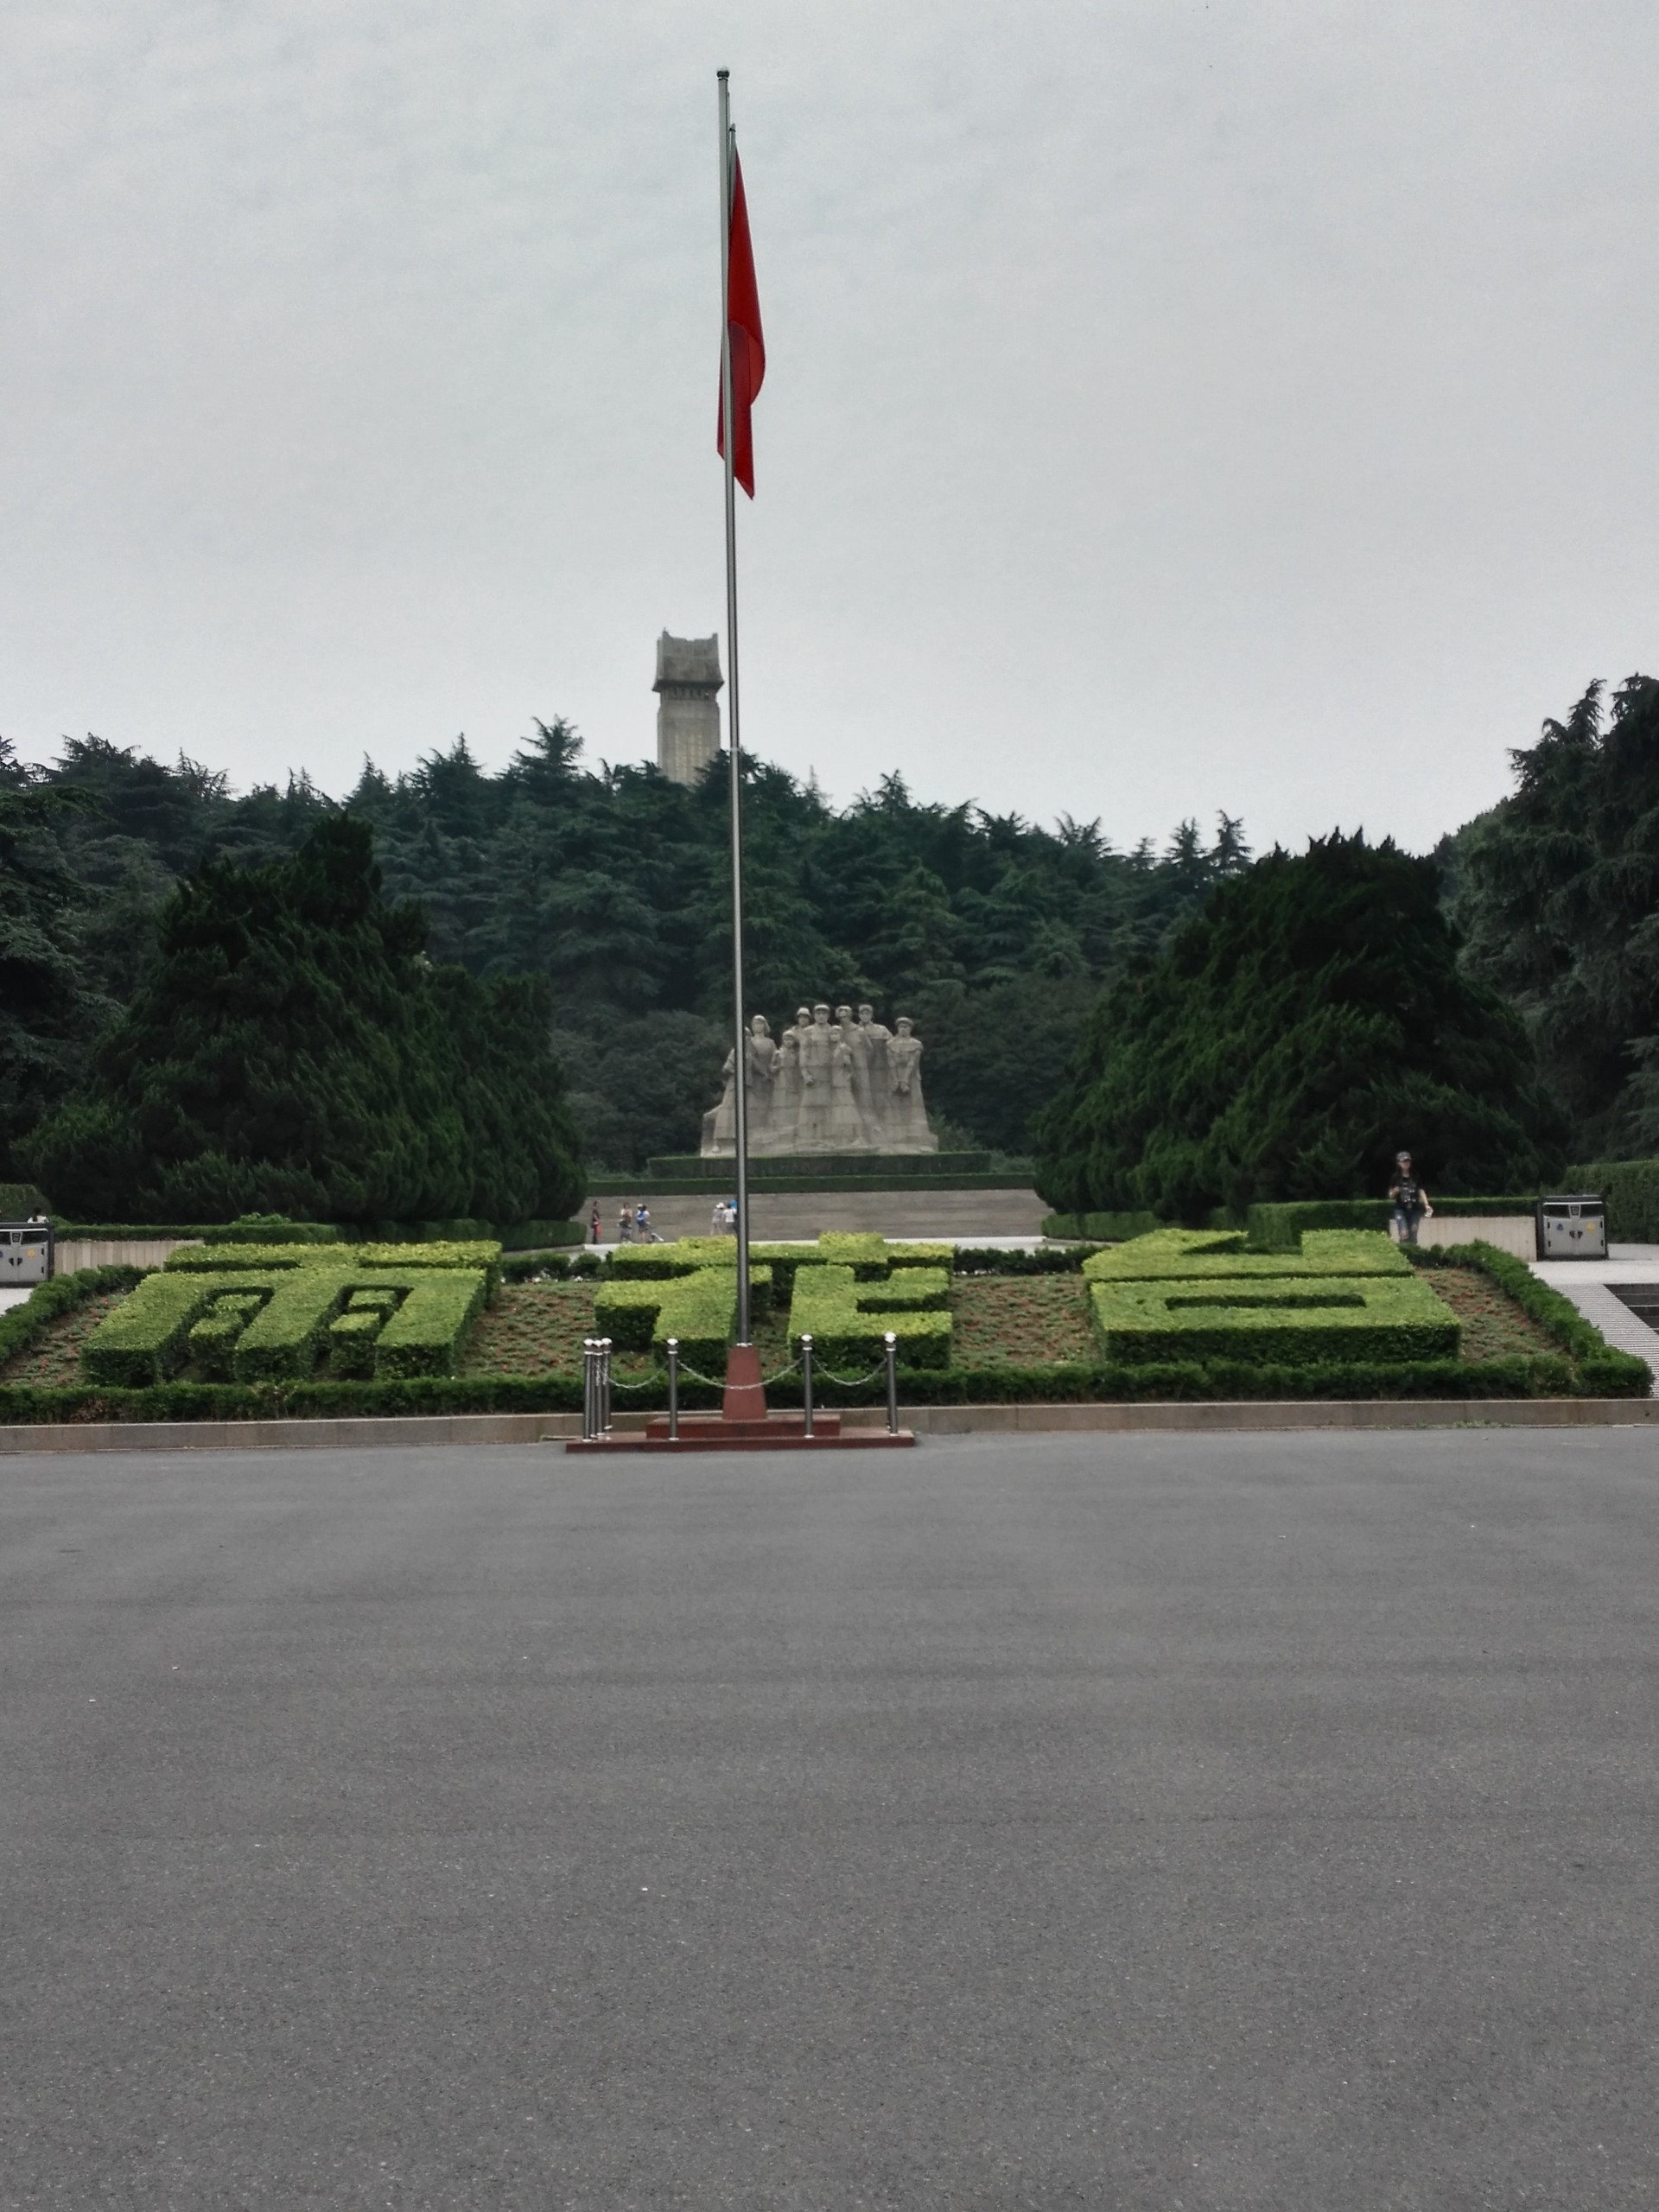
[{"x": 1156, "y": 1821}]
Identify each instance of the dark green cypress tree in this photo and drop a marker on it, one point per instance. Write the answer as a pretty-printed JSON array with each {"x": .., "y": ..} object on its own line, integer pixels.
[
  {"x": 293, "y": 1049},
  {"x": 1310, "y": 1022}
]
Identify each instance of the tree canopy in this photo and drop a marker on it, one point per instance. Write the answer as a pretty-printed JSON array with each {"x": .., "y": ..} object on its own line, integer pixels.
[
  {"x": 290, "y": 1047},
  {"x": 1310, "y": 1022},
  {"x": 1557, "y": 888},
  {"x": 610, "y": 883}
]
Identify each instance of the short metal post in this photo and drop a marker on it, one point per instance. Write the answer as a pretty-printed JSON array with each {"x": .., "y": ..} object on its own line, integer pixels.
[
  {"x": 604, "y": 1386},
  {"x": 806, "y": 1380},
  {"x": 673, "y": 1389},
  {"x": 893, "y": 1383},
  {"x": 589, "y": 1388}
]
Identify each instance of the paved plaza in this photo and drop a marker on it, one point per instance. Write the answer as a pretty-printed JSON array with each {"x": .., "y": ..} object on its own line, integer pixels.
[{"x": 1194, "y": 1823}]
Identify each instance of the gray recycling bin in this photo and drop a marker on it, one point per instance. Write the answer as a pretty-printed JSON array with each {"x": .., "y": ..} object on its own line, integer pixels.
[
  {"x": 1573, "y": 1227},
  {"x": 25, "y": 1252}
]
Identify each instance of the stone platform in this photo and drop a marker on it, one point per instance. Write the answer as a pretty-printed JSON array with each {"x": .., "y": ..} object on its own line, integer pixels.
[{"x": 784, "y": 1215}]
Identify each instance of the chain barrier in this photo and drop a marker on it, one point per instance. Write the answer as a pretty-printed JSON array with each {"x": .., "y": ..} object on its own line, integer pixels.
[{"x": 597, "y": 1382}]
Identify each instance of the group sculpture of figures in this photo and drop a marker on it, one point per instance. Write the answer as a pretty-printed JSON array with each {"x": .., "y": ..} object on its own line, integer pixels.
[{"x": 846, "y": 1084}]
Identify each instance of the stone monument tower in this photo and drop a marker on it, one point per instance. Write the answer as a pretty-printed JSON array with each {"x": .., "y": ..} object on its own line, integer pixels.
[{"x": 687, "y": 712}]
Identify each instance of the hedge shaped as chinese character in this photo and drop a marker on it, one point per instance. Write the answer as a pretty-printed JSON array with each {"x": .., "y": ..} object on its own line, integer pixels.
[
  {"x": 1290, "y": 1321},
  {"x": 848, "y": 1319},
  {"x": 277, "y": 1324},
  {"x": 698, "y": 1310},
  {"x": 1221, "y": 1255}
]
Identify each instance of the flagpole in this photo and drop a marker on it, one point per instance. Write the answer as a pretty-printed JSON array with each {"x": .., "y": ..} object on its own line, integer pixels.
[{"x": 739, "y": 1062}]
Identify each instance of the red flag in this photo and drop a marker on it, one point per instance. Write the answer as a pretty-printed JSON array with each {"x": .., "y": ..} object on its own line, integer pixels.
[{"x": 748, "y": 347}]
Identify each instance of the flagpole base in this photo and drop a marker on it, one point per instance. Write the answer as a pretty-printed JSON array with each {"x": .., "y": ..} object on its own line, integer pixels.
[{"x": 745, "y": 1398}]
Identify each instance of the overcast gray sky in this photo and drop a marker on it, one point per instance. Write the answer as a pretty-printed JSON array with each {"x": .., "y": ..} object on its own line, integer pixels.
[{"x": 1169, "y": 406}]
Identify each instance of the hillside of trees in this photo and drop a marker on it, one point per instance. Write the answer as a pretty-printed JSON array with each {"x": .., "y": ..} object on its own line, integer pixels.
[
  {"x": 610, "y": 885},
  {"x": 1041, "y": 965}
]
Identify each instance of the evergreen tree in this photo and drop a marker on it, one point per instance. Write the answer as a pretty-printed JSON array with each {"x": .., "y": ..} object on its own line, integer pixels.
[
  {"x": 1557, "y": 888},
  {"x": 50, "y": 1005},
  {"x": 1310, "y": 1022},
  {"x": 293, "y": 1049}
]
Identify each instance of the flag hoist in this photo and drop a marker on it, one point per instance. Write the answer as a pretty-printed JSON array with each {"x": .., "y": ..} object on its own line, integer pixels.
[{"x": 742, "y": 367}]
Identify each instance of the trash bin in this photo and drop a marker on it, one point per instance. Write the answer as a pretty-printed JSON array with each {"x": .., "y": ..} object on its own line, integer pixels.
[
  {"x": 25, "y": 1252},
  {"x": 1573, "y": 1227}
]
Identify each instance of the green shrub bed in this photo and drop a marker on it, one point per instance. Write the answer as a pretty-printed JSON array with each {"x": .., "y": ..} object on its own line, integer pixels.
[
  {"x": 1580, "y": 1363},
  {"x": 215, "y": 1258},
  {"x": 273, "y": 1325},
  {"x": 1220, "y": 1256},
  {"x": 1100, "y": 1228},
  {"x": 849, "y": 1320},
  {"x": 699, "y": 1309},
  {"x": 1292, "y": 1321}
]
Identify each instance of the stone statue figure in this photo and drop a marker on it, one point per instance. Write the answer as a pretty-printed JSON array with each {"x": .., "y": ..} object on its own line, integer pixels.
[
  {"x": 762, "y": 1056},
  {"x": 786, "y": 1085},
  {"x": 907, "y": 1129},
  {"x": 857, "y": 1047},
  {"x": 826, "y": 1086},
  {"x": 720, "y": 1123},
  {"x": 867, "y": 1042},
  {"x": 818, "y": 1044}
]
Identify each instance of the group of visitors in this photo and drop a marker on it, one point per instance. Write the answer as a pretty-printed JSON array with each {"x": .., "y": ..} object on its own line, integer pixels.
[{"x": 632, "y": 1225}]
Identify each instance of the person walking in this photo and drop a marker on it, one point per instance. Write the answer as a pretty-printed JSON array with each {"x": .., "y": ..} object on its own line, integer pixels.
[
  {"x": 1411, "y": 1206},
  {"x": 625, "y": 1225},
  {"x": 595, "y": 1221}
]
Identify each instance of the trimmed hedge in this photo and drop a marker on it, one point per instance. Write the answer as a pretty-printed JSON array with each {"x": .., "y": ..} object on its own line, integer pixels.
[
  {"x": 993, "y": 1259},
  {"x": 1290, "y": 1321},
  {"x": 146, "y": 1339},
  {"x": 207, "y": 1259},
  {"x": 1537, "y": 1376},
  {"x": 848, "y": 1319},
  {"x": 1277, "y": 1227},
  {"x": 1219, "y": 1255},
  {"x": 533, "y": 1236},
  {"x": 699, "y": 1309},
  {"x": 272, "y": 1229},
  {"x": 1631, "y": 1190},
  {"x": 1101, "y": 1228},
  {"x": 171, "y": 1316},
  {"x": 425, "y": 1335},
  {"x": 1609, "y": 1372},
  {"x": 212, "y": 1343}
]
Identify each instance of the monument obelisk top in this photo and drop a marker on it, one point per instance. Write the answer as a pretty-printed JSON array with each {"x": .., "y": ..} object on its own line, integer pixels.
[{"x": 688, "y": 710}]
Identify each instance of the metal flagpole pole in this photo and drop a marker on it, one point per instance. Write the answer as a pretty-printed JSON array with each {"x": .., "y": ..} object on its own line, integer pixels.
[{"x": 739, "y": 1064}]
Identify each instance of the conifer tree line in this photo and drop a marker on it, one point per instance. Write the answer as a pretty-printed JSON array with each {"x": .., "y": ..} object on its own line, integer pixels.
[
  {"x": 610, "y": 885},
  {"x": 1184, "y": 1028}
]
